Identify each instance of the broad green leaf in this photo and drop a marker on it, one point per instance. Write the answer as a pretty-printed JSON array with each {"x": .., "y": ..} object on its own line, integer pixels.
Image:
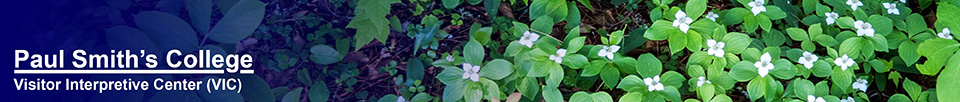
[
  {"x": 736, "y": 15},
  {"x": 908, "y": 53},
  {"x": 912, "y": 88},
  {"x": 450, "y": 76},
  {"x": 706, "y": 91},
  {"x": 743, "y": 71},
  {"x": 822, "y": 88},
  {"x": 632, "y": 83},
  {"x": 513, "y": 49},
  {"x": 774, "y": 13},
  {"x": 648, "y": 65},
  {"x": 948, "y": 14},
  {"x": 581, "y": 97},
  {"x": 936, "y": 51},
  {"x": 473, "y": 52},
  {"x": 319, "y": 92},
  {"x": 825, "y": 40},
  {"x": 899, "y": 98},
  {"x": 574, "y": 45},
  {"x": 421, "y": 97},
  {"x": 482, "y": 35},
  {"x": 497, "y": 69},
  {"x": 293, "y": 96},
  {"x": 473, "y": 92},
  {"x": 660, "y": 30},
  {"x": 543, "y": 24},
  {"x": 734, "y": 42},
  {"x": 616, "y": 37},
  {"x": 610, "y": 76},
  {"x": 490, "y": 89},
  {"x": 915, "y": 24},
  {"x": 370, "y": 22},
  {"x": 169, "y": 30},
  {"x": 851, "y": 47},
  {"x": 784, "y": 69},
  {"x": 627, "y": 65},
  {"x": 756, "y": 88},
  {"x": 881, "y": 24},
  {"x": 553, "y": 8},
  {"x": 225, "y": 5},
  {"x": 822, "y": 68},
  {"x": 552, "y": 94},
  {"x": 672, "y": 78},
  {"x": 845, "y": 22},
  {"x": 671, "y": 93},
  {"x": 631, "y": 97},
  {"x": 555, "y": 76},
  {"x": 695, "y": 7},
  {"x": 575, "y": 61},
  {"x": 677, "y": 42},
  {"x": 948, "y": 83},
  {"x": 721, "y": 98},
  {"x": 842, "y": 78},
  {"x": 199, "y": 11},
  {"x": 528, "y": 86},
  {"x": 573, "y": 19},
  {"x": 256, "y": 89},
  {"x": 388, "y": 98},
  {"x": 602, "y": 97},
  {"x": 797, "y": 34},
  {"x": 764, "y": 22},
  {"x": 323, "y": 54},
  {"x": 454, "y": 92},
  {"x": 773, "y": 38},
  {"x": 450, "y": 4},
  {"x": 595, "y": 67},
  {"x": 803, "y": 88},
  {"x": 245, "y": 16}
]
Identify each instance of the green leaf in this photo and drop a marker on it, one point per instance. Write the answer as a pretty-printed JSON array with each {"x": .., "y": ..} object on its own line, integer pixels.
[
  {"x": 627, "y": 65},
  {"x": 482, "y": 35},
  {"x": 610, "y": 76},
  {"x": 936, "y": 51},
  {"x": 842, "y": 78},
  {"x": 616, "y": 37},
  {"x": 822, "y": 68},
  {"x": 803, "y": 88},
  {"x": 677, "y": 42},
  {"x": 450, "y": 4},
  {"x": 695, "y": 8},
  {"x": 706, "y": 91},
  {"x": 319, "y": 92},
  {"x": 907, "y": 52},
  {"x": 199, "y": 11},
  {"x": 632, "y": 83},
  {"x": 225, "y": 5},
  {"x": 555, "y": 77},
  {"x": 388, "y": 98},
  {"x": 948, "y": 83},
  {"x": 497, "y": 69},
  {"x": 671, "y": 93},
  {"x": 743, "y": 71},
  {"x": 370, "y": 21},
  {"x": 595, "y": 67},
  {"x": 169, "y": 30},
  {"x": 851, "y": 47},
  {"x": 575, "y": 61},
  {"x": 756, "y": 88},
  {"x": 648, "y": 65},
  {"x": 421, "y": 97},
  {"x": 774, "y": 13},
  {"x": 293, "y": 96},
  {"x": 473, "y": 52},
  {"x": 323, "y": 54},
  {"x": 948, "y": 13},
  {"x": 784, "y": 69},
  {"x": 845, "y": 22},
  {"x": 899, "y": 98},
  {"x": 721, "y": 98},
  {"x": 542, "y": 24},
  {"x": 915, "y": 24},
  {"x": 256, "y": 89},
  {"x": 733, "y": 42},
  {"x": 602, "y": 97},
  {"x": 631, "y": 97},
  {"x": 573, "y": 19},
  {"x": 825, "y": 40},
  {"x": 797, "y": 34},
  {"x": 581, "y": 97},
  {"x": 764, "y": 22},
  {"x": 912, "y": 88},
  {"x": 415, "y": 69},
  {"x": 245, "y": 16},
  {"x": 660, "y": 30},
  {"x": 552, "y": 94},
  {"x": 454, "y": 92},
  {"x": 882, "y": 24},
  {"x": 553, "y": 8},
  {"x": 490, "y": 89}
]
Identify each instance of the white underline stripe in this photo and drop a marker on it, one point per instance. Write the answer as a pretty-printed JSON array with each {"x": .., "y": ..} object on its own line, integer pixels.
[{"x": 126, "y": 72}]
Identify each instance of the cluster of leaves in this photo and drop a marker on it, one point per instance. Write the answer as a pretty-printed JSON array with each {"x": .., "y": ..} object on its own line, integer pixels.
[{"x": 848, "y": 46}]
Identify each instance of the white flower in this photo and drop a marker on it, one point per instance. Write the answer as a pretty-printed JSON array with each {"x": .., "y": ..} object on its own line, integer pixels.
[
  {"x": 831, "y": 17},
  {"x": 400, "y": 99},
  {"x": 701, "y": 80},
  {"x": 764, "y": 66},
  {"x": 756, "y": 6},
  {"x": 945, "y": 34},
  {"x": 608, "y": 51},
  {"x": 843, "y": 62},
  {"x": 682, "y": 21},
  {"x": 860, "y": 84},
  {"x": 854, "y": 4},
  {"x": 450, "y": 58},
  {"x": 903, "y": 1},
  {"x": 808, "y": 59},
  {"x": 470, "y": 71},
  {"x": 712, "y": 16},
  {"x": 811, "y": 98},
  {"x": 863, "y": 28},
  {"x": 653, "y": 83},
  {"x": 528, "y": 39},
  {"x": 715, "y": 48},
  {"x": 891, "y": 8},
  {"x": 849, "y": 99},
  {"x": 559, "y": 56}
]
